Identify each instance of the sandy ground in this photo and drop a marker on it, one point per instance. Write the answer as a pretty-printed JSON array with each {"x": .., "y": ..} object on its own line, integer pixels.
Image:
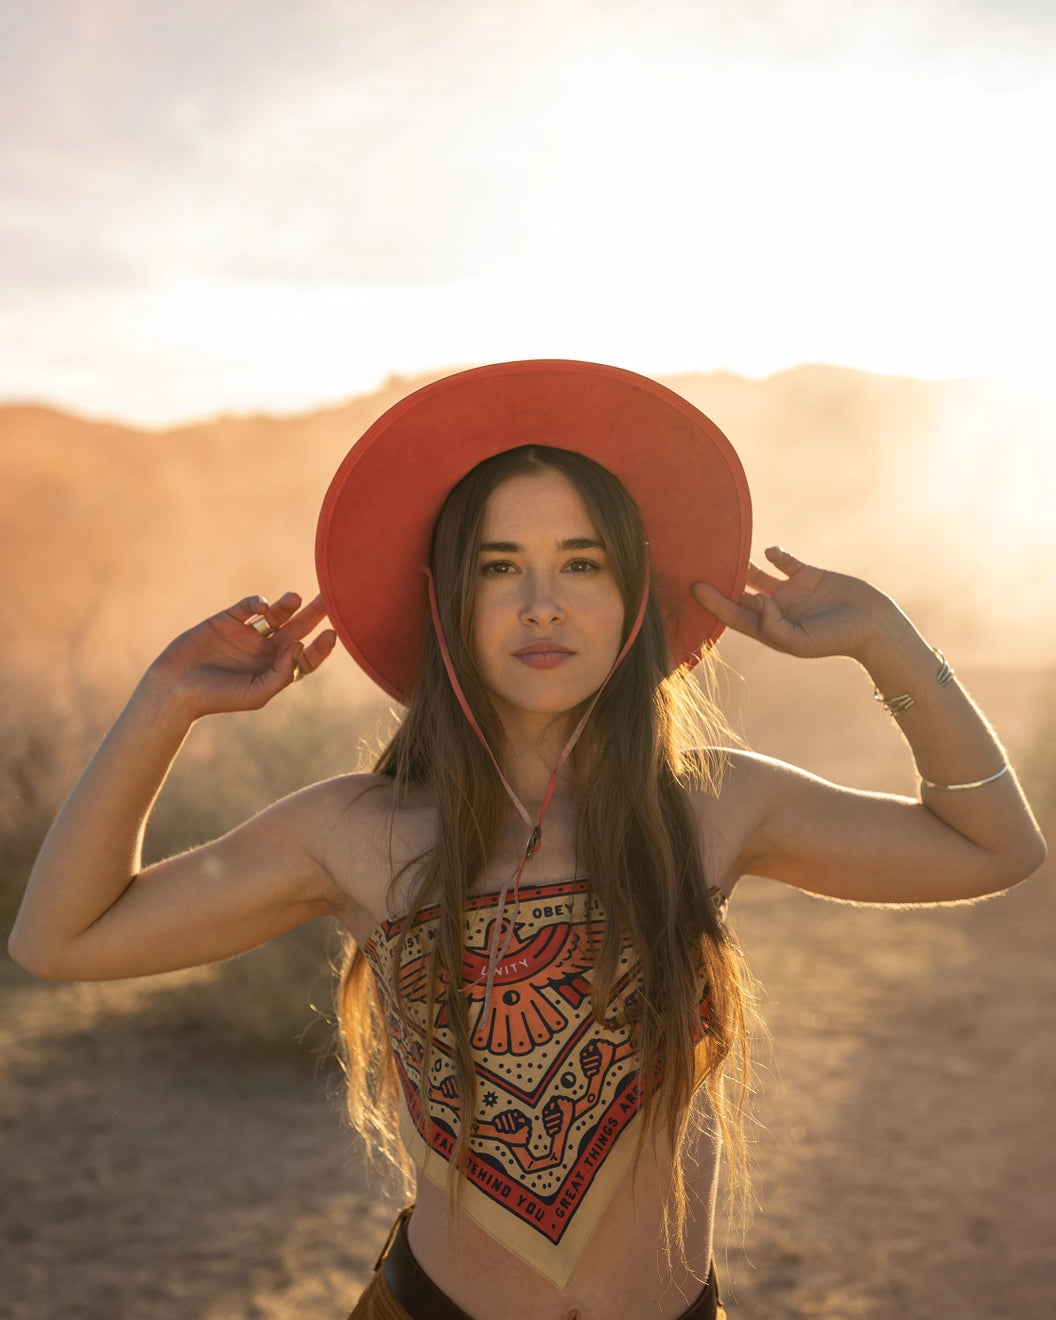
[{"x": 904, "y": 1152}]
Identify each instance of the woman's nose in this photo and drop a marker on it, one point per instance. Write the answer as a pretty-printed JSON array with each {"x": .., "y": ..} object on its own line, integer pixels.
[{"x": 540, "y": 605}]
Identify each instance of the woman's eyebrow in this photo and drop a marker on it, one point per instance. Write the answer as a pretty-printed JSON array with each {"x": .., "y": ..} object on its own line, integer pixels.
[{"x": 570, "y": 543}]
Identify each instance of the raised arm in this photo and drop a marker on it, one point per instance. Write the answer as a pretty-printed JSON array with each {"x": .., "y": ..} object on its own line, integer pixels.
[
  {"x": 970, "y": 833},
  {"x": 89, "y": 910}
]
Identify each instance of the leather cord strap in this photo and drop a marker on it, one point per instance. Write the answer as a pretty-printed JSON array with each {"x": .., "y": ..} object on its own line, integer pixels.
[{"x": 535, "y": 837}]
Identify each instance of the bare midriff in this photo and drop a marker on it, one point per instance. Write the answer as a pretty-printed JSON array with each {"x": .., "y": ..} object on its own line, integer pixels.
[{"x": 623, "y": 1274}]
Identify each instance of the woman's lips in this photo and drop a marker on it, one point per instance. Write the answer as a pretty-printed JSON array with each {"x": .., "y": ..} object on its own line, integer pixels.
[{"x": 543, "y": 655}]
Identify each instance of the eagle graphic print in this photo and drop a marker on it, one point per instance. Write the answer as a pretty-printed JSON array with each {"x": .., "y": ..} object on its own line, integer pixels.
[{"x": 555, "y": 1089}]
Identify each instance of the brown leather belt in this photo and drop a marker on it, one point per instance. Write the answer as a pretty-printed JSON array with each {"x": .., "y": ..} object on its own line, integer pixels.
[{"x": 419, "y": 1295}]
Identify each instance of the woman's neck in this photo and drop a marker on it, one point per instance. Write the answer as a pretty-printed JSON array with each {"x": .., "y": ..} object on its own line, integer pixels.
[
  {"x": 555, "y": 858},
  {"x": 528, "y": 765}
]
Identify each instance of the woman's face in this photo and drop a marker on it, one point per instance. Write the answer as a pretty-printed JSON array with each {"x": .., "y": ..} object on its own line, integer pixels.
[{"x": 548, "y": 615}]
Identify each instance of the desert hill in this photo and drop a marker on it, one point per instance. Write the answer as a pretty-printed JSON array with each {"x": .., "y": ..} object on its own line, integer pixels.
[{"x": 113, "y": 538}]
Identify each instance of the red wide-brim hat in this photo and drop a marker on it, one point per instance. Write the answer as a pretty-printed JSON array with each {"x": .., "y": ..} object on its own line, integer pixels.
[{"x": 376, "y": 524}]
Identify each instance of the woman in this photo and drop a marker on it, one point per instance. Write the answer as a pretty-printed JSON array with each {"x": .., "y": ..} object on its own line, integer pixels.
[{"x": 534, "y": 880}]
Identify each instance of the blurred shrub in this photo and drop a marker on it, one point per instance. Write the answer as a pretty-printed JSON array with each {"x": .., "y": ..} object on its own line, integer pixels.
[
  {"x": 280, "y": 995},
  {"x": 42, "y": 746},
  {"x": 235, "y": 765},
  {"x": 277, "y": 996},
  {"x": 1037, "y": 769}
]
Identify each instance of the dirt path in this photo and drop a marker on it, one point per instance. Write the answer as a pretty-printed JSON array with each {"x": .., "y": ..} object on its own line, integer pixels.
[
  {"x": 150, "y": 1171},
  {"x": 905, "y": 1164}
]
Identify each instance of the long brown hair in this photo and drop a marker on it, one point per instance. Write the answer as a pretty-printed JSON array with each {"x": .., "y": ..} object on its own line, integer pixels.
[{"x": 651, "y": 739}]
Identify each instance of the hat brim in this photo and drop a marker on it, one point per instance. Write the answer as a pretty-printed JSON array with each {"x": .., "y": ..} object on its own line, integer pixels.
[{"x": 377, "y": 518}]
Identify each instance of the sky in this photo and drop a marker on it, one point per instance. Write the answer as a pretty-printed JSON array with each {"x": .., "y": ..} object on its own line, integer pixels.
[{"x": 246, "y": 206}]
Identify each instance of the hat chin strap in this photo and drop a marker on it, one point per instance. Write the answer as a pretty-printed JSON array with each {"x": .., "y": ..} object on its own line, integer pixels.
[{"x": 535, "y": 837}]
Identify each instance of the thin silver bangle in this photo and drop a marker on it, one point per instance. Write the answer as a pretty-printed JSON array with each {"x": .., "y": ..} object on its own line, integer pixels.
[
  {"x": 903, "y": 702},
  {"x": 959, "y": 788}
]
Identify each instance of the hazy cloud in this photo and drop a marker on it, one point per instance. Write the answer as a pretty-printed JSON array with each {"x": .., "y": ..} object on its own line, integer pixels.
[{"x": 221, "y": 154}]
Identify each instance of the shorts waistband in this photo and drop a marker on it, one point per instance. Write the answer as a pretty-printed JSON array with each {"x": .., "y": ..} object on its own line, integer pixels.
[
  {"x": 420, "y": 1297},
  {"x": 409, "y": 1283}
]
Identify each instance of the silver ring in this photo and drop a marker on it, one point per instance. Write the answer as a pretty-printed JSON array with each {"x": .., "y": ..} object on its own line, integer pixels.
[
  {"x": 262, "y": 626},
  {"x": 298, "y": 672}
]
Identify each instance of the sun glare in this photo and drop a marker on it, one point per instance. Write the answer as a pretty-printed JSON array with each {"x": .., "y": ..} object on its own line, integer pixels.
[{"x": 605, "y": 193}]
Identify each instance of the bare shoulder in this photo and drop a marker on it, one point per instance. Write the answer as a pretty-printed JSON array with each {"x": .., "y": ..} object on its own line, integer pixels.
[
  {"x": 731, "y": 814},
  {"x": 369, "y": 835}
]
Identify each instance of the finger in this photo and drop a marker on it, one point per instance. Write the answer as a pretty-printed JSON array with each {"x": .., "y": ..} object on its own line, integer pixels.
[
  {"x": 318, "y": 650},
  {"x": 762, "y": 581},
  {"x": 285, "y": 614},
  {"x": 299, "y": 660},
  {"x": 271, "y": 618},
  {"x": 302, "y": 623},
  {"x": 261, "y": 619},
  {"x": 285, "y": 669},
  {"x": 742, "y": 616},
  {"x": 756, "y": 616},
  {"x": 780, "y": 558},
  {"x": 769, "y": 625},
  {"x": 771, "y": 621},
  {"x": 248, "y": 607},
  {"x": 283, "y": 609},
  {"x": 296, "y": 663}
]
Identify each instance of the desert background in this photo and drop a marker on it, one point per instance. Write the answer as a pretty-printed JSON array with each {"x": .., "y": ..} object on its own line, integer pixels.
[
  {"x": 231, "y": 235},
  {"x": 174, "y": 1147}
]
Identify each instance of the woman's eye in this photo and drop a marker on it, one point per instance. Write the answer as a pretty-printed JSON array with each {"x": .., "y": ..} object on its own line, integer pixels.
[
  {"x": 497, "y": 567},
  {"x": 582, "y": 566}
]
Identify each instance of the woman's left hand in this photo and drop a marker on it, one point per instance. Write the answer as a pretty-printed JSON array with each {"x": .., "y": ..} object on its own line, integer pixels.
[{"x": 809, "y": 612}]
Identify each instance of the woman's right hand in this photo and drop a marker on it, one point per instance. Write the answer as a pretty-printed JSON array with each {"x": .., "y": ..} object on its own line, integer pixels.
[{"x": 226, "y": 664}]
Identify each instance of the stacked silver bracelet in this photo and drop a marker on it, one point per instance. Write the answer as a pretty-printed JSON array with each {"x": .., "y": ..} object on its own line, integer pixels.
[{"x": 899, "y": 705}]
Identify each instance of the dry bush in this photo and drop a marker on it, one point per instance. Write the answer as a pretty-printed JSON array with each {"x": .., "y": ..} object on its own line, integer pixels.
[
  {"x": 277, "y": 996},
  {"x": 274, "y": 997},
  {"x": 1037, "y": 769},
  {"x": 45, "y": 740}
]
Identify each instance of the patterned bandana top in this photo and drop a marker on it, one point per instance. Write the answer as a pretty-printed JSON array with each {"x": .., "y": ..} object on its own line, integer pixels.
[{"x": 556, "y": 1091}]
